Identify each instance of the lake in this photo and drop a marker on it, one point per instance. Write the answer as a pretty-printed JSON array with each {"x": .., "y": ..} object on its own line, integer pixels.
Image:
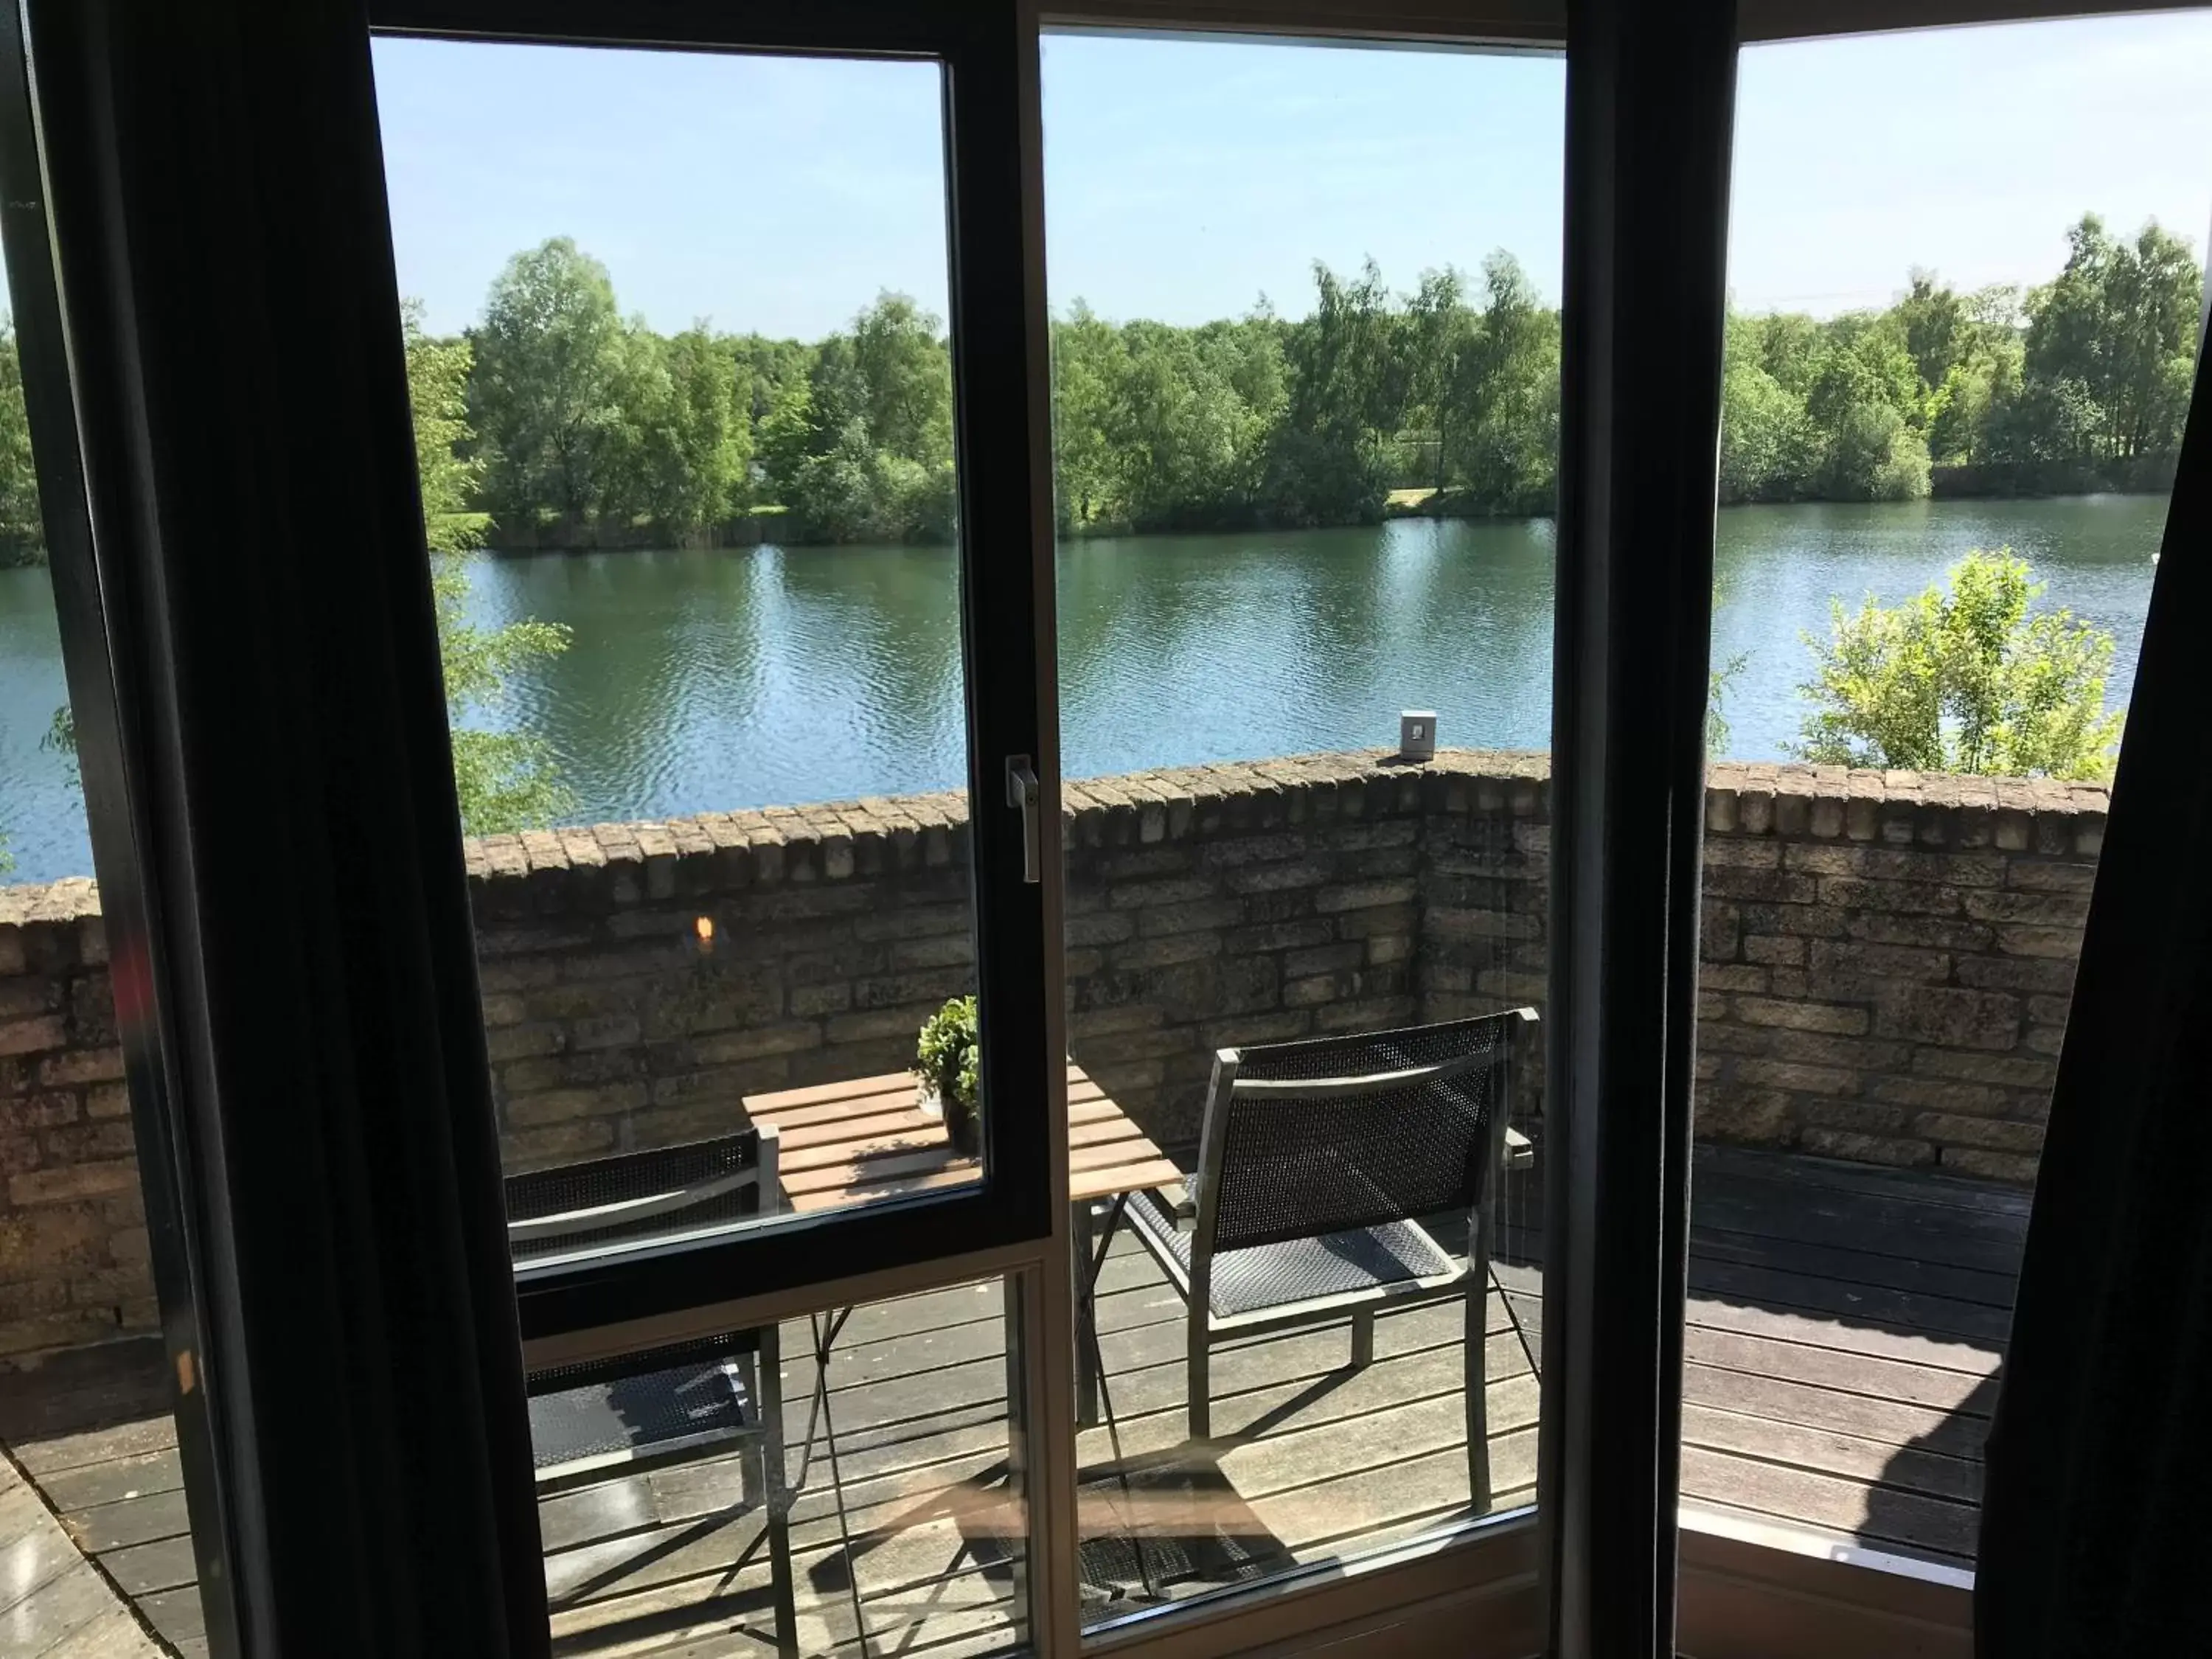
[{"x": 712, "y": 680}]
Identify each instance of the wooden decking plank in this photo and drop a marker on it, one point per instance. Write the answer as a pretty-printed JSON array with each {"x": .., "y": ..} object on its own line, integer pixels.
[
  {"x": 113, "y": 1481},
  {"x": 134, "y": 1520},
  {"x": 1785, "y": 1282},
  {"x": 176, "y": 1614},
  {"x": 141, "y": 1568},
  {"x": 1846, "y": 1266},
  {"x": 966, "y": 1620},
  {"x": 1822, "y": 1451},
  {"x": 1873, "y": 1514},
  {"x": 1891, "y": 1422},
  {"x": 65, "y": 1609},
  {"x": 1838, "y": 1335},
  {"x": 1319, "y": 1518},
  {"x": 1769, "y": 1353},
  {"x": 1729, "y": 1213},
  {"x": 1871, "y": 1305},
  {"x": 1919, "y": 1187},
  {"x": 40, "y": 1458},
  {"x": 901, "y": 1524},
  {"x": 1938, "y": 1228}
]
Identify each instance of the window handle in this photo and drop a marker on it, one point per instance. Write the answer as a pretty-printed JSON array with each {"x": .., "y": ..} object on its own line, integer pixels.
[{"x": 1022, "y": 795}]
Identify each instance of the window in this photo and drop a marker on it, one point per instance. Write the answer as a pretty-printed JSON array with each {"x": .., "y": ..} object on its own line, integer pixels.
[
  {"x": 1950, "y": 432},
  {"x": 693, "y": 519},
  {"x": 1306, "y": 438}
]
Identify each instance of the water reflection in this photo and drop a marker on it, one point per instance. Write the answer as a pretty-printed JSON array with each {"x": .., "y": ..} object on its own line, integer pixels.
[{"x": 720, "y": 679}]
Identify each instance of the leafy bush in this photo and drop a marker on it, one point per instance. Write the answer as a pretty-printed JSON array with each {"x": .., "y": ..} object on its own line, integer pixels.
[
  {"x": 948, "y": 1059},
  {"x": 1964, "y": 681}
]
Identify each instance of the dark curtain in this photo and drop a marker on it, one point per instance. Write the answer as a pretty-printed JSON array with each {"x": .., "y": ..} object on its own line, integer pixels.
[{"x": 2097, "y": 1520}]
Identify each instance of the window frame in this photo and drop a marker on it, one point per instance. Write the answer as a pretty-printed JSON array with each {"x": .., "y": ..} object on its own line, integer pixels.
[{"x": 1010, "y": 676}]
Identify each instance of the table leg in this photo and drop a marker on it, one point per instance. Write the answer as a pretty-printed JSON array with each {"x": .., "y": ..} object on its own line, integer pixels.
[
  {"x": 1087, "y": 1330},
  {"x": 1019, "y": 1419}
]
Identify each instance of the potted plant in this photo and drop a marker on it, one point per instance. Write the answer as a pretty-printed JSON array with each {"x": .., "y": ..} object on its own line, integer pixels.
[{"x": 946, "y": 1060}]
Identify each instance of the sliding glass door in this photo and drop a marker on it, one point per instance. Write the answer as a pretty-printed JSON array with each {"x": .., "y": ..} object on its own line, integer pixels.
[{"x": 716, "y": 335}]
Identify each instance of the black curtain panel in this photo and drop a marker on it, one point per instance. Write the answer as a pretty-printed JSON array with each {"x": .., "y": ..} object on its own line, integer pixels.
[
  {"x": 2097, "y": 1520},
  {"x": 215, "y": 188}
]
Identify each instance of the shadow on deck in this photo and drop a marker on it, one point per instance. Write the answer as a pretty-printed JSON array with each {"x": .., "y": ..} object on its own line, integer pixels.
[{"x": 1846, "y": 1327}]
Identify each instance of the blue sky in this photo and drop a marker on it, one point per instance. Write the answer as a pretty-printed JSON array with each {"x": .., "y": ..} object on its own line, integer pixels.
[{"x": 1185, "y": 178}]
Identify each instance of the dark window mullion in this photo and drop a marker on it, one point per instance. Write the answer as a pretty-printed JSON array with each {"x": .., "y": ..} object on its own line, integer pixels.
[{"x": 1650, "y": 102}]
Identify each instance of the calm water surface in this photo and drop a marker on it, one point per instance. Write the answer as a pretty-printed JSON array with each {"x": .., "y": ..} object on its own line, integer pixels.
[{"x": 709, "y": 680}]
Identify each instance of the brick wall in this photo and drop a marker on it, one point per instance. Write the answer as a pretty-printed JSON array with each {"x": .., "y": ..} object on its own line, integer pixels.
[
  {"x": 73, "y": 1251},
  {"x": 1887, "y": 963},
  {"x": 1887, "y": 960}
]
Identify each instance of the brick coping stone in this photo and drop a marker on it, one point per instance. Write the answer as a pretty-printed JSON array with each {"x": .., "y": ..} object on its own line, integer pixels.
[{"x": 593, "y": 866}]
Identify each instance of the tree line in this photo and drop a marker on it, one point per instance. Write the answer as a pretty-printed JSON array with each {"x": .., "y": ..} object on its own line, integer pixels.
[{"x": 577, "y": 414}]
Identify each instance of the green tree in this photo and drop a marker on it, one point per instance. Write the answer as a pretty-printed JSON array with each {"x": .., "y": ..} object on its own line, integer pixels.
[
  {"x": 22, "y": 532},
  {"x": 1865, "y": 401},
  {"x": 1504, "y": 401},
  {"x": 1963, "y": 680},
  {"x": 1328, "y": 462},
  {"x": 545, "y": 396},
  {"x": 1436, "y": 329},
  {"x": 681, "y": 451},
  {"x": 506, "y": 781},
  {"x": 1790, "y": 346},
  {"x": 862, "y": 450},
  {"x": 1937, "y": 330},
  {"x": 2120, "y": 320},
  {"x": 1089, "y": 369}
]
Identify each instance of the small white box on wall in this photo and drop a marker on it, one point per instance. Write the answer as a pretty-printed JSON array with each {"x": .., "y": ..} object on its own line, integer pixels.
[{"x": 1417, "y": 734}]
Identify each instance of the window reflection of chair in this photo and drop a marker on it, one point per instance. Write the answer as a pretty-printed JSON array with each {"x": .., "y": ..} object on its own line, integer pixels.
[
  {"x": 636, "y": 1412},
  {"x": 1315, "y": 1162}
]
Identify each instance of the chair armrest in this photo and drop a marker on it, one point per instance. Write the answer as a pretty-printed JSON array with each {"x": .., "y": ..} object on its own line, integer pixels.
[
  {"x": 1520, "y": 1151},
  {"x": 1176, "y": 1199},
  {"x": 670, "y": 1201}
]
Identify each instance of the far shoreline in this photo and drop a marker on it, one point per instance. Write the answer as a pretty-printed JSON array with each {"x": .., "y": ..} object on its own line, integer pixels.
[{"x": 745, "y": 534}]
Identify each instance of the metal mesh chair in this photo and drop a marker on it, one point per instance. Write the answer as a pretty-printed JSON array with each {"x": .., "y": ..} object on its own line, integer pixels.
[
  {"x": 672, "y": 1403},
  {"x": 1316, "y": 1160}
]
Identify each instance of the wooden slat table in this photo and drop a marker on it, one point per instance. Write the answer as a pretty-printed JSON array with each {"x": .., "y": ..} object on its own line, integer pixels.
[{"x": 847, "y": 1143}]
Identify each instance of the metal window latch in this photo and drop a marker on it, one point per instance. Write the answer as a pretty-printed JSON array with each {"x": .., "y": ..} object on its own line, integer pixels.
[{"x": 1022, "y": 796}]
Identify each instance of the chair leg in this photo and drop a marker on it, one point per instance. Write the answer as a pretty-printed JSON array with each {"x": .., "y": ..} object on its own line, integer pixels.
[
  {"x": 754, "y": 1490},
  {"x": 1478, "y": 1367},
  {"x": 777, "y": 1495},
  {"x": 1200, "y": 1362},
  {"x": 1086, "y": 1319},
  {"x": 1363, "y": 1338}
]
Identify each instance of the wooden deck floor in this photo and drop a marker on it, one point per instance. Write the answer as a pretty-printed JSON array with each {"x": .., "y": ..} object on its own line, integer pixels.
[{"x": 1846, "y": 1328}]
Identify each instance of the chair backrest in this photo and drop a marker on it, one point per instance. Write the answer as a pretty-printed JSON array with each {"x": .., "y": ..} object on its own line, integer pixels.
[
  {"x": 640, "y": 1195},
  {"x": 1326, "y": 1135}
]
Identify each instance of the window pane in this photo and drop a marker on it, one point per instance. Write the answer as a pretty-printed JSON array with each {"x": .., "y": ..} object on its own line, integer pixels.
[
  {"x": 684, "y": 418},
  {"x": 1300, "y": 491},
  {"x": 905, "y": 1526},
  {"x": 1952, "y": 407}
]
